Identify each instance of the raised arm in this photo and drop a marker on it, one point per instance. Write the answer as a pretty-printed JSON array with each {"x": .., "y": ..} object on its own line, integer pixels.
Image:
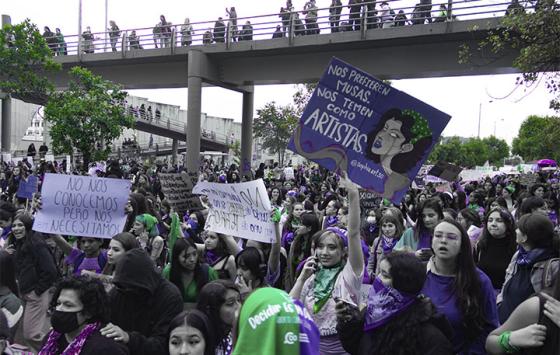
[
  {"x": 355, "y": 255},
  {"x": 62, "y": 244},
  {"x": 274, "y": 257}
]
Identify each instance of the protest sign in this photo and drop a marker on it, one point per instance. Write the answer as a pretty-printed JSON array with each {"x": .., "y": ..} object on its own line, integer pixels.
[
  {"x": 177, "y": 189},
  {"x": 49, "y": 157},
  {"x": 289, "y": 173},
  {"x": 82, "y": 206},
  {"x": 369, "y": 200},
  {"x": 379, "y": 135},
  {"x": 528, "y": 179},
  {"x": 27, "y": 187},
  {"x": 6, "y": 157},
  {"x": 472, "y": 175},
  {"x": 445, "y": 171},
  {"x": 241, "y": 210}
]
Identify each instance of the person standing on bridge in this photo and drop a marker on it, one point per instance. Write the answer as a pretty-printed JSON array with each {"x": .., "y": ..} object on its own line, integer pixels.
[
  {"x": 61, "y": 48},
  {"x": 87, "y": 37},
  {"x": 310, "y": 12},
  {"x": 165, "y": 32},
  {"x": 355, "y": 7},
  {"x": 334, "y": 15},
  {"x": 187, "y": 33},
  {"x": 232, "y": 23},
  {"x": 114, "y": 33},
  {"x": 219, "y": 31}
]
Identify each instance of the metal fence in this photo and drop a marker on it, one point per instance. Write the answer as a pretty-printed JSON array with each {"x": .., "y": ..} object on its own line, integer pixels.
[{"x": 369, "y": 16}]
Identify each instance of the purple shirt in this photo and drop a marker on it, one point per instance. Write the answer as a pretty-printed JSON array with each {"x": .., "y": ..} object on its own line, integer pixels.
[
  {"x": 439, "y": 290},
  {"x": 89, "y": 264}
]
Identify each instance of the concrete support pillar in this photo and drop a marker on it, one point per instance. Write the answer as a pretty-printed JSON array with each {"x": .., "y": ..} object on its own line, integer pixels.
[
  {"x": 195, "y": 63},
  {"x": 174, "y": 150},
  {"x": 6, "y": 124},
  {"x": 247, "y": 131}
]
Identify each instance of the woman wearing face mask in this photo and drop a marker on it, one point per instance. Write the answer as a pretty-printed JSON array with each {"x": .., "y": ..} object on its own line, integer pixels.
[
  {"x": 186, "y": 271},
  {"x": 79, "y": 309},
  {"x": 36, "y": 273},
  {"x": 419, "y": 238},
  {"x": 391, "y": 231},
  {"x": 370, "y": 229},
  {"x": 193, "y": 226},
  {"x": 496, "y": 246},
  {"x": 220, "y": 301},
  {"x": 534, "y": 265},
  {"x": 147, "y": 234},
  {"x": 397, "y": 319},
  {"x": 191, "y": 333},
  {"x": 460, "y": 291},
  {"x": 330, "y": 274}
]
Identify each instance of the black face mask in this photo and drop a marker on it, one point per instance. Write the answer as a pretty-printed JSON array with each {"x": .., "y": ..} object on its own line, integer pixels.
[{"x": 64, "y": 322}]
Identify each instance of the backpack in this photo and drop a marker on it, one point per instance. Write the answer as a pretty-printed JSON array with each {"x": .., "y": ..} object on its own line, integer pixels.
[{"x": 101, "y": 259}]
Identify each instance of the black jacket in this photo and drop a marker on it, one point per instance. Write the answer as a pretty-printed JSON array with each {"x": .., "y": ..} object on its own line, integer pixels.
[
  {"x": 434, "y": 336},
  {"x": 143, "y": 303},
  {"x": 96, "y": 344},
  {"x": 35, "y": 266}
]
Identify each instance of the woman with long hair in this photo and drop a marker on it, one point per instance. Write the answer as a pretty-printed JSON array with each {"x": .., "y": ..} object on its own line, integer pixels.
[
  {"x": 216, "y": 254},
  {"x": 191, "y": 332},
  {"x": 276, "y": 197},
  {"x": 470, "y": 220},
  {"x": 293, "y": 222},
  {"x": 186, "y": 271},
  {"x": 398, "y": 319},
  {"x": 36, "y": 273},
  {"x": 147, "y": 234},
  {"x": 533, "y": 328},
  {"x": 418, "y": 239},
  {"x": 336, "y": 271},
  {"x": 534, "y": 264},
  {"x": 460, "y": 291},
  {"x": 496, "y": 246},
  {"x": 220, "y": 301},
  {"x": 301, "y": 247},
  {"x": 391, "y": 231}
]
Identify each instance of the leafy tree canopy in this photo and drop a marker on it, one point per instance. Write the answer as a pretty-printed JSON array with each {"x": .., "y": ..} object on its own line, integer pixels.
[
  {"x": 535, "y": 35},
  {"x": 472, "y": 152},
  {"x": 25, "y": 59},
  {"x": 538, "y": 138},
  {"x": 275, "y": 126},
  {"x": 88, "y": 116}
]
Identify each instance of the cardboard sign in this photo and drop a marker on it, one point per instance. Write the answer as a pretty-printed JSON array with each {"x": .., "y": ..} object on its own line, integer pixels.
[
  {"x": 379, "y": 135},
  {"x": 369, "y": 200},
  {"x": 177, "y": 189},
  {"x": 528, "y": 179},
  {"x": 445, "y": 171},
  {"x": 289, "y": 173},
  {"x": 241, "y": 210},
  {"x": 28, "y": 187},
  {"x": 82, "y": 206}
]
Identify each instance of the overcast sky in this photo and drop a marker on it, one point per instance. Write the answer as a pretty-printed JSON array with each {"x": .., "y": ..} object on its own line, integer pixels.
[{"x": 458, "y": 96}]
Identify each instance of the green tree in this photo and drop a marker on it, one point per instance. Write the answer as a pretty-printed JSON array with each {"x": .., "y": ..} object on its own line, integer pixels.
[
  {"x": 88, "y": 116},
  {"x": 475, "y": 152},
  {"x": 449, "y": 151},
  {"x": 535, "y": 36},
  {"x": 538, "y": 138},
  {"x": 25, "y": 60},
  {"x": 498, "y": 149},
  {"x": 275, "y": 126},
  {"x": 302, "y": 96}
]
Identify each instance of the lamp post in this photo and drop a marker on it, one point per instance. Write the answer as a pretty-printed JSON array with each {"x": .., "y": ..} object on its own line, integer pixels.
[{"x": 495, "y": 121}]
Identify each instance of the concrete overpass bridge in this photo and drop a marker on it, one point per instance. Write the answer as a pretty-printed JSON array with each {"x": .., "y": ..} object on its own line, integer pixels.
[{"x": 426, "y": 45}]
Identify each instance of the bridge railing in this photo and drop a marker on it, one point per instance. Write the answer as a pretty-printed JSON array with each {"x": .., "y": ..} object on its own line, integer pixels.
[{"x": 373, "y": 15}]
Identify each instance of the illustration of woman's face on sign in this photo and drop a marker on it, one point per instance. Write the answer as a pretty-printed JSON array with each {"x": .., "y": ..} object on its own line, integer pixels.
[{"x": 390, "y": 140}]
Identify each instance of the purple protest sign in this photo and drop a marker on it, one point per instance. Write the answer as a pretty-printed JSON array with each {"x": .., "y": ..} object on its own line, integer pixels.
[{"x": 379, "y": 135}]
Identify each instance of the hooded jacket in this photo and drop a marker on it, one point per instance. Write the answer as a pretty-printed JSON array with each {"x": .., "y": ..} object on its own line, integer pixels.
[{"x": 143, "y": 303}]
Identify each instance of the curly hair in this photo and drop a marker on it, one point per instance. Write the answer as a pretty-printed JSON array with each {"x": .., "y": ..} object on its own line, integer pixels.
[{"x": 91, "y": 293}]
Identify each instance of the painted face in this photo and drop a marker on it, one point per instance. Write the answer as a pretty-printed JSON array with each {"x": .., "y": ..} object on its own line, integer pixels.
[
  {"x": 18, "y": 229},
  {"x": 447, "y": 241},
  {"x": 385, "y": 273},
  {"x": 115, "y": 252},
  {"x": 390, "y": 140},
  {"x": 298, "y": 210},
  {"x": 328, "y": 250},
  {"x": 539, "y": 192},
  {"x": 230, "y": 307},
  {"x": 186, "y": 340},
  {"x": 496, "y": 225},
  {"x": 430, "y": 218},
  {"x": 211, "y": 241},
  {"x": 389, "y": 229},
  {"x": 188, "y": 258}
]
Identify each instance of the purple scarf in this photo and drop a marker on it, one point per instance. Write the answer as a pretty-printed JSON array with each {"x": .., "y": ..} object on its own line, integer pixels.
[
  {"x": 424, "y": 240},
  {"x": 211, "y": 257},
  {"x": 331, "y": 221},
  {"x": 75, "y": 347},
  {"x": 384, "y": 303},
  {"x": 388, "y": 244}
]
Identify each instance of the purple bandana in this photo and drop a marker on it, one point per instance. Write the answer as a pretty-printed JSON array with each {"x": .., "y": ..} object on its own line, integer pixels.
[
  {"x": 388, "y": 243},
  {"x": 331, "y": 221},
  {"x": 384, "y": 303}
]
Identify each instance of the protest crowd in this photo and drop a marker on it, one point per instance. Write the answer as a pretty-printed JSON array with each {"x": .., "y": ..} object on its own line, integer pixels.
[{"x": 461, "y": 267}]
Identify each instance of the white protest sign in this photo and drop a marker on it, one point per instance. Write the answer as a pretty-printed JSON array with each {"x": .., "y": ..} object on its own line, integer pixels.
[
  {"x": 6, "y": 157},
  {"x": 289, "y": 173},
  {"x": 472, "y": 175},
  {"x": 241, "y": 210},
  {"x": 49, "y": 157},
  {"x": 82, "y": 206}
]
